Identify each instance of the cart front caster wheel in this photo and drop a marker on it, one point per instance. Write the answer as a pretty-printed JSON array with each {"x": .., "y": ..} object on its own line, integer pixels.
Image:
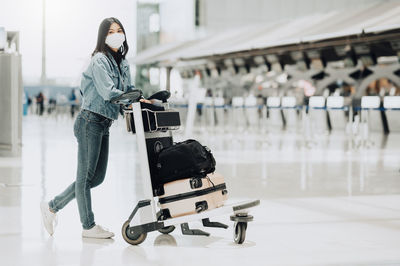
[
  {"x": 166, "y": 230},
  {"x": 132, "y": 238},
  {"x": 239, "y": 233}
]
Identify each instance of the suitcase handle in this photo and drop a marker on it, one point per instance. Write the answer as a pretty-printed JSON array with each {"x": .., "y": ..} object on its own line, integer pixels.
[{"x": 201, "y": 206}]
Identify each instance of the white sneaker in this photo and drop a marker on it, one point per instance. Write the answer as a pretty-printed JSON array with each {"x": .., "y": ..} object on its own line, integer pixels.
[
  {"x": 49, "y": 218},
  {"x": 97, "y": 232}
]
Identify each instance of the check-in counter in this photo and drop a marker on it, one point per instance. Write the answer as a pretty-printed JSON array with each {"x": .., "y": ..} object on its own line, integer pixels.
[
  {"x": 237, "y": 117},
  {"x": 275, "y": 118},
  {"x": 290, "y": 112},
  {"x": 318, "y": 115},
  {"x": 371, "y": 113},
  {"x": 391, "y": 104},
  {"x": 219, "y": 105},
  {"x": 208, "y": 109},
  {"x": 251, "y": 111},
  {"x": 337, "y": 112}
]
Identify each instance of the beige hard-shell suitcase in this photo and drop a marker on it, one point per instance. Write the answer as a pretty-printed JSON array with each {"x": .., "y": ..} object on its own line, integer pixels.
[{"x": 190, "y": 196}]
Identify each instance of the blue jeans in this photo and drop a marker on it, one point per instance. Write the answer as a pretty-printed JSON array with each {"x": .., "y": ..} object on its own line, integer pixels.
[{"x": 92, "y": 133}]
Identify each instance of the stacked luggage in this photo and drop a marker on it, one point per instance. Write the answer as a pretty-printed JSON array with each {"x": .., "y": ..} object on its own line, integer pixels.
[
  {"x": 189, "y": 183},
  {"x": 182, "y": 173}
]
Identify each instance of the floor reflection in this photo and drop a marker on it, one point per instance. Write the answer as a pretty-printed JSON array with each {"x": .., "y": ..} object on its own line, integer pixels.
[
  {"x": 165, "y": 240},
  {"x": 89, "y": 249},
  {"x": 325, "y": 198}
]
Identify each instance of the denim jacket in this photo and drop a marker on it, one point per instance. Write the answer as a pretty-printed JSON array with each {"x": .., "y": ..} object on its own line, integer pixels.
[{"x": 101, "y": 82}]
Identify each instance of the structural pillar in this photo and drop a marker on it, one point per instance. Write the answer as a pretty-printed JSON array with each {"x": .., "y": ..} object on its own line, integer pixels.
[{"x": 10, "y": 105}]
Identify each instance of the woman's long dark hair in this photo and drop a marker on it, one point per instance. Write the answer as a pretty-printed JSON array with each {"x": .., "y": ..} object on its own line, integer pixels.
[{"x": 101, "y": 46}]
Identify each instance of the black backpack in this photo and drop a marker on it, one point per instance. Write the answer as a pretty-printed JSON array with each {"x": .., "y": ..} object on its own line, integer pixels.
[{"x": 184, "y": 160}]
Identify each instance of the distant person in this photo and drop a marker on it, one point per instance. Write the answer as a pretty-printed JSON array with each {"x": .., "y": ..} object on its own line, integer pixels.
[
  {"x": 260, "y": 105},
  {"x": 106, "y": 77},
  {"x": 40, "y": 103},
  {"x": 72, "y": 100},
  {"x": 52, "y": 105},
  {"x": 209, "y": 93},
  {"x": 29, "y": 103}
]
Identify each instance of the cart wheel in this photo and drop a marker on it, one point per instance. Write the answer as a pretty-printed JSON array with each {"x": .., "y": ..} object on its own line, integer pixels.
[
  {"x": 239, "y": 232},
  {"x": 166, "y": 230},
  {"x": 133, "y": 239}
]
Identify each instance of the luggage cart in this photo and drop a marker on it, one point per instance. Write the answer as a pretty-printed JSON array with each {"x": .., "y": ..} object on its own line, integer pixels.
[{"x": 153, "y": 132}]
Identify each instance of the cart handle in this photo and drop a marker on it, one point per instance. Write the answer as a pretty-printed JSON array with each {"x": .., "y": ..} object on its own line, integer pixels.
[
  {"x": 161, "y": 95},
  {"x": 128, "y": 97}
]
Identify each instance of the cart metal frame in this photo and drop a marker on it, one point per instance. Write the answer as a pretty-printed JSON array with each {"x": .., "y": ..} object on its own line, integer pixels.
[{"x": 135, "y": 233}]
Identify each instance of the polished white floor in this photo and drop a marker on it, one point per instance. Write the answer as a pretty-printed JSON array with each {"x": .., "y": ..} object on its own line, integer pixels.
[{"x": 321, "y": 204}]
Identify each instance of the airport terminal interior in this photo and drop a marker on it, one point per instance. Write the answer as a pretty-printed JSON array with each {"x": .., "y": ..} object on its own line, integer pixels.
[{"x": 298, "y": 102}]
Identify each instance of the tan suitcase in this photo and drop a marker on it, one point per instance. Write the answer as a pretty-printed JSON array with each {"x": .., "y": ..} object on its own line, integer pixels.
[{"x": 189, "y": 196}]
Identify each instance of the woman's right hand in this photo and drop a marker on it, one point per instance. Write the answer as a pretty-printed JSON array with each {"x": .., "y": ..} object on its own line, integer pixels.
[{"x": 146, "y": 101}]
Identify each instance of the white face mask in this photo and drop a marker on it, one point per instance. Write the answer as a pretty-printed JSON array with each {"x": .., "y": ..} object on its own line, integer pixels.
[{"x": 115, "y": 40}]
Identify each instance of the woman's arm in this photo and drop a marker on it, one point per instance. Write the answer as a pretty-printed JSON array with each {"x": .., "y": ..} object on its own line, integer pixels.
[
  {"x": 130, "y": 86},
  {"x": 102, "y": 80}
]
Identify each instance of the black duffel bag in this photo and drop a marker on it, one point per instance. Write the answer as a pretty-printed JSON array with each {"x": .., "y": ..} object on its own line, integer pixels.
[{"x": 183, "y": 160}]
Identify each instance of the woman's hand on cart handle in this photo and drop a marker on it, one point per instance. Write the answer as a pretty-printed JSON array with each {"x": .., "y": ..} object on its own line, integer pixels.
[
  {"x": 130, "y": 107},
  {"x": 147, "y": 101}
]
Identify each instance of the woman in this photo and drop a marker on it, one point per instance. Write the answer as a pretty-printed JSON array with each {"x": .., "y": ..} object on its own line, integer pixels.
[{"x": 107, "y": 77}]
